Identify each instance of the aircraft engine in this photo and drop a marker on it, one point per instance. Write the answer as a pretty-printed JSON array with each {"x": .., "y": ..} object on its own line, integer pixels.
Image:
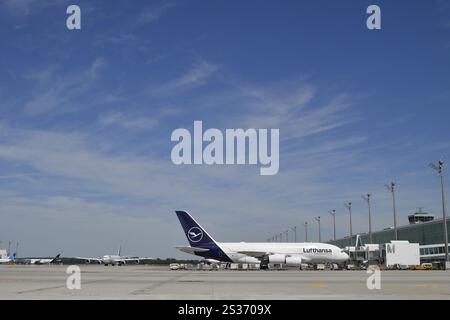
[
  {"x": 277, "y": 258},
  {"x": 295, "y": 261},
  {"x": 248, "y": 259}
]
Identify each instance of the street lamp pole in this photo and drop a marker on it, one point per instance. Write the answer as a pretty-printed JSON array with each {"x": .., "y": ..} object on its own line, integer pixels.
[
  {"x": 318, "y": 220},
  {"x": 440, "y": 169},
  {"x": 333, "y": 213},
  {"x": 348, "y": 205},
  {"x": 306, "y": 231},
  {"x": 391, "y": 188},
  {"x": 367, "y": 199}
]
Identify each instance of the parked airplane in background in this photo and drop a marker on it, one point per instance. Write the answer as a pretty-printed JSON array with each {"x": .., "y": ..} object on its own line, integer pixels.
[
  {"x": 5, "y": 255},
  {"x": 291, "y": 254},
  {"x": 56, "y": 259},
  {"x": 114, "y": 259},
  {"x": 7, "y": 259}
]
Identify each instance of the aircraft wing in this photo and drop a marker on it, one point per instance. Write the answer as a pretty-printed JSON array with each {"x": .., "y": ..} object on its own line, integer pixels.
[
  {"x": 192, "y": 250},
  {"x": 134, "y": 259},
  {"x": 256, "y": 254},
  {"x": 99, "y": 260},
  {"x": 262, "y": 254}
]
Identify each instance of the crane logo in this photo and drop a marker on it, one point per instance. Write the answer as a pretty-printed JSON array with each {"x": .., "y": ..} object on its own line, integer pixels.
[{"x": 195, "y": 234}]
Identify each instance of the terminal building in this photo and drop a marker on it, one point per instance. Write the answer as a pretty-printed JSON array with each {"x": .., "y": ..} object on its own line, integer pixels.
[{"x": 422, "y": 229}]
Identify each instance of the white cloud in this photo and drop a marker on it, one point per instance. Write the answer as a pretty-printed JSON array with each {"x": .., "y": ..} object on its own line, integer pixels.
[
  {"x": 297, "y": 109},
  {"x": 153, "y": 13},
  {"x": 195, "y": 76},
  {"x": 96, "y": 66},
  {"x": 126, "y": 121},
  {"x": 58, "y": 93},
  {"x": 26, "y": 7}
]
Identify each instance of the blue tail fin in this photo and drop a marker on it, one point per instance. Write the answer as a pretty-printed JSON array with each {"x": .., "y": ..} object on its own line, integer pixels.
[
  {"x": 196, "y": 235},
  {"x": 199, "y": 238}
]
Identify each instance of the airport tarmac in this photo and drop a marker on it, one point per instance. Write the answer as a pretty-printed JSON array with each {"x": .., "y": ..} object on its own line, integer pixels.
[{"x": 150, "y": 282}]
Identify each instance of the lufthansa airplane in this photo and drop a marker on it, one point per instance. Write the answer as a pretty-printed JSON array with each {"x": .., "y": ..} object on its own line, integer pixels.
[
  {"x": 56, "y": 259},
  {"x": 291, "y": 254},
  {"x": 111, "y": 259}
]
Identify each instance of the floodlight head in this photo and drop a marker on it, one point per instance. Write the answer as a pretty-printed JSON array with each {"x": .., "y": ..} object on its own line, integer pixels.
[{"x": 438, "y": 167}]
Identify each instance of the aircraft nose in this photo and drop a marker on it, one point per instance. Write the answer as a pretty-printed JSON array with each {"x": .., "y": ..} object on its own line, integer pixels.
[{"x": 345, "y": 256}]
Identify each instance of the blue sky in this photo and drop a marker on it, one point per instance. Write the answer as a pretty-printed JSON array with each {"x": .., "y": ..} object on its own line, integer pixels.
[{"x": 86, "y": 117}]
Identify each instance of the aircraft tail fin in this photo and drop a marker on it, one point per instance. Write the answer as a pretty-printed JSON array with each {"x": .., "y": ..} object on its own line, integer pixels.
[{"x": 195, "y": 233}]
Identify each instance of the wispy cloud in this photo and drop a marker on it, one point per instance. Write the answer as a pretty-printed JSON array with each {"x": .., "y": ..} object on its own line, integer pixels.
[
  {"x": 127, "y": 121},
  {"x": 54, "y": 92},
  {"x": 96, "y": 66},
  {"x": 153, "y": 13},
  {"x": 22, "y": 8},
  {"x": 296, "y": 108},
  {"x": 197, "y": 75}
]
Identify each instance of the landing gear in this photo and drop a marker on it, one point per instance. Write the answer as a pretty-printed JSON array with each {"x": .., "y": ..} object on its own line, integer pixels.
[{"x": 263, "y": 266}]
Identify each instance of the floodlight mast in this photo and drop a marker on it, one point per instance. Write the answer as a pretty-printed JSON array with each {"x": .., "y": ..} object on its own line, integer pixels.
[
  {"x": 391, "y": 188},
  {"x": 318, "y": 220},
  {"x": 348, "y": 205},
  {"x": 295, "y": 233},
  {"x": 367, "y": 199},
  {"x": 306, "y": 231},
  {"x": 333, "y": 213},
  {"x": 439, "y": 167}
]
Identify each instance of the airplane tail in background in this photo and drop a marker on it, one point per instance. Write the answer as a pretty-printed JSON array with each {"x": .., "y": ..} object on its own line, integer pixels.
[
  {"x": 196, "y": 235},
  {"x": 56, "y": 259}
]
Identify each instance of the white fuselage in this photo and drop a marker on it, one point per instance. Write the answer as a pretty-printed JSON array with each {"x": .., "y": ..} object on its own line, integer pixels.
[
  {"x": 116, "y": 259},
  {"x": 309, "y": 252},
  {"x": 107, "y": 259},
  {"x": 40, "y": 261}
]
